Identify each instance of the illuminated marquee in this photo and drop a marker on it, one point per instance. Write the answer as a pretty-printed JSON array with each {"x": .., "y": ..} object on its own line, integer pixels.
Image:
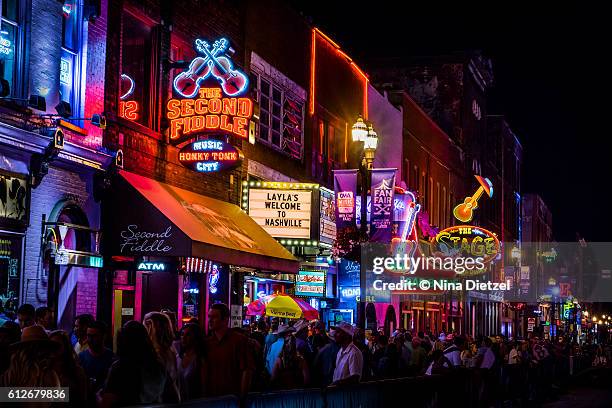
[
  {"x": 210, "y": 112},
  {"x": 466, "y": 241},
  {"x": 209, "y": 155},
  {"x": 209, "y": 95}
]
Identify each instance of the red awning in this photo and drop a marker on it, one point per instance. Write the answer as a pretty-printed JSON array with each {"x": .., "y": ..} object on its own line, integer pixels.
[{"x": 146, "y": 223}]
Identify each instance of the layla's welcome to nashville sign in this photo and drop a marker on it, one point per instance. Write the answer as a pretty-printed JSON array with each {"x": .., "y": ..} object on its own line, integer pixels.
[{"x": 282, "y": 213}]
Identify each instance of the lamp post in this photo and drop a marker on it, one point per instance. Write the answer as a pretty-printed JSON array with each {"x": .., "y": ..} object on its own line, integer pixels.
[{"x": 366, "y": 139}]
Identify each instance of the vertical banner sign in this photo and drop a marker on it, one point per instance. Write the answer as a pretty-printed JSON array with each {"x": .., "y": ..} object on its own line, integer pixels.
[
  {"x": 345, "y": 188},
  {"x": 381, "y": 218}
]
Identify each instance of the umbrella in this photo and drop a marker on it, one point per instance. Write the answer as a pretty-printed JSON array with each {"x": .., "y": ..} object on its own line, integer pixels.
[{"x": 280, "y": 305}]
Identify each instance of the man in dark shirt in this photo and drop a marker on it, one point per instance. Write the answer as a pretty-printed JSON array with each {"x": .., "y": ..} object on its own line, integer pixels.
[
  {"x": 229, "y": 362},
  {"x": 97, "y": 359}
]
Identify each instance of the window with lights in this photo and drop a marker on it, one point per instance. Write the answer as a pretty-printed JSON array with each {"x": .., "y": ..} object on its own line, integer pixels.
[{"x": 281, "y": 102}]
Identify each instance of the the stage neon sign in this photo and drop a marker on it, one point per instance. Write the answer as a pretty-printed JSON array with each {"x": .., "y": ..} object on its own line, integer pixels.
[
  {"x": 208, "y": 113},
  {"x": 209, "y": 155}
]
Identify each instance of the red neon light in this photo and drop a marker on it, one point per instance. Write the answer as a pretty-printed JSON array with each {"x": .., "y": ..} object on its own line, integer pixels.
[
  {"x": 312, "y": 71},
  {"x": 128, "y": 110},
  {"x": 211, "y": 111},
  {"x": 316, "y": 31}
]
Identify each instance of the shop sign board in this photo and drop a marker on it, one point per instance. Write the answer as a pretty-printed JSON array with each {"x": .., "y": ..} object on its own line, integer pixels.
[
  {"x": 208, "y": 156},
  {"x": 327, "y": 221},
  {"x": 282, "y": 213},
  {"x": 310, "y": 283}
]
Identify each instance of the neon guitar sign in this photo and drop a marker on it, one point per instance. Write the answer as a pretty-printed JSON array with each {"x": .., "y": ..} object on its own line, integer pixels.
[
  {"x": 209, "y": 96},
  {"x": 464, "y": 212},
  {"x": 211, "y": 63}
]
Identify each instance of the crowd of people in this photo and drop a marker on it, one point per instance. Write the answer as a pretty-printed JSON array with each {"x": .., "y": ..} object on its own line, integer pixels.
[{"x": 154, "y": 362}]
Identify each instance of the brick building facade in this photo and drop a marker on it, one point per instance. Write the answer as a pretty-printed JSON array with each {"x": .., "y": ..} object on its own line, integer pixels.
[{"x": 58, "y": 262}]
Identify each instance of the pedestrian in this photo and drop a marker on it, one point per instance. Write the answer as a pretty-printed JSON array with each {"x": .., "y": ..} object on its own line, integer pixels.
[
  {"x": 44, "y": 318},
  {"x": 97, "y": 359},
  {"x": 159, "y": 328},
  {"x": 381, "y": 349},
  {"x": 70, "y": 373},
  {"x": 229, "y": 363},
  {"x": 81, "y": 323},
  {"x": 290, "y": 370},
  {"x": 440, "y": 364},
  {"x": 453, "y": 352},
  {"x": 190, "y": 363},
  {"x": 406, "y": 354},
  {"x": 275, "y": 349},
  {"x": 349, "y": 361},
  {"x": 318, "y": 338},
  {"x": 391, "y": 364},
  {"x": 26, "y": 316},
  {"x": 137, "y": 376},
  {"x": 359, "y": 340},
  {"x": 325, "y": 363},
  {"x": 32, "y": 359},
  {"x": 9, "y": 334},
  {"x": 301, "y": 340},
  {"x": 419, "y": 357}
]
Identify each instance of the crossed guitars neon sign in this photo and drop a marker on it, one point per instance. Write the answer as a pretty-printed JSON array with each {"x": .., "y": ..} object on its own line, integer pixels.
[
  {"x": 206, "y": 106},
  {"x": 211, "y": 62}
]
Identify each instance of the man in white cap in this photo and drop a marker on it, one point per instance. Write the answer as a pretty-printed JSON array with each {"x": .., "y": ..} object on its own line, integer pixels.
[{"x": 349, "y": 361}]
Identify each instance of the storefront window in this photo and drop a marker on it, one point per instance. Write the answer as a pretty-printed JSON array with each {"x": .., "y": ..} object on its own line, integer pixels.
[
  {"x": 136, "y": 51},
  {"x": 10, "y": 271},
  {"x": 9, "y": 37}
]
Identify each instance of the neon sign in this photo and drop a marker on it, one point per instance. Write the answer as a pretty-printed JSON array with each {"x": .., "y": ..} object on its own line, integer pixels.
[
  {"x": 209, "y": 95},
  {"x": 209, "y": 155},
  {"x": 5, "y": 46},
  {"x": 64, "y": 71},
  {"x": 152, "y": 266},
  {"x": 466, "y": 241},
  {"x": 213, "y": 63},
  {"x": 209, "y": 112},
  {"x": 128, "y": 109},
  {"x": 464, "y": 212},
  {"x": 213, "y": 279}
]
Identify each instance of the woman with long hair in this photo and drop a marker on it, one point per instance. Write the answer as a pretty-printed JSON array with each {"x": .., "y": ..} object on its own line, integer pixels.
[
  {"x": 70, "y": 373},
  {"x": 190, "y": 362},
  {"x": 159, "y": 328},
  {"x": 138, "y": 376},
  {"x": 31, "y": 363},
  {"x": 290, "y": 369}
]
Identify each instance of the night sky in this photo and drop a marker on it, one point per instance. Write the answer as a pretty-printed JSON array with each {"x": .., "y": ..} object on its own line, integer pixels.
[{"x": 552, "y": 83}]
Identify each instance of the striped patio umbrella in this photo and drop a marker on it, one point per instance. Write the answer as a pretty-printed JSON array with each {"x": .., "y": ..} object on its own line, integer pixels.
[{"x": 281, "y": 305}]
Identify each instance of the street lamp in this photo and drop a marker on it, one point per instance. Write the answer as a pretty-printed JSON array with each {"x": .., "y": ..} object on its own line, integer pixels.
[
  {"x": 367, "y": 139},
  {"x": 365, "y": 135}
]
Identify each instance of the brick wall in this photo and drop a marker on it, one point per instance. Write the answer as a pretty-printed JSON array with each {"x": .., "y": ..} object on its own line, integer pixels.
[{"x": 58, "y": 186}]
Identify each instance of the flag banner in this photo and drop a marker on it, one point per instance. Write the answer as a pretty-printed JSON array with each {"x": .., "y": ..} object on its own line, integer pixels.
[
  {"x": 381, "y": 217},
  {"x": 345, "y": 189}
]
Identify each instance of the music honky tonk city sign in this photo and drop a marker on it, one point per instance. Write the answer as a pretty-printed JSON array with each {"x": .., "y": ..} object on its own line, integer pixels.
[{"x": 210, "y": 95}]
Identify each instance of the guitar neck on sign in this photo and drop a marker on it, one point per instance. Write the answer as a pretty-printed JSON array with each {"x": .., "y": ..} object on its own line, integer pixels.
[
  {"x": 187, "y": 83},
  {"x": 464, "y": 212},
  {"x": 233, "y": 82}
]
